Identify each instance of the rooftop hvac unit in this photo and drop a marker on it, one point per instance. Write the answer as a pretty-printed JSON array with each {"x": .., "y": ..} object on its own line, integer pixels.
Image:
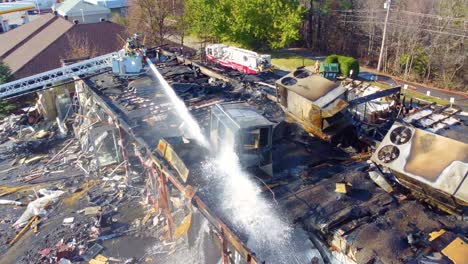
[{"x": 430, "y": 165}]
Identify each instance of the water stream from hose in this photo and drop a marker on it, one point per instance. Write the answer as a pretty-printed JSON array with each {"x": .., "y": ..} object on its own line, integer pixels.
[{"x": 192, "y": 126}]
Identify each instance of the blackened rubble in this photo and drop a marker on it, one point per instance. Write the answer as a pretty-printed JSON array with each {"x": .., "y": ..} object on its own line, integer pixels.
[{"x": 93, "y": 202}]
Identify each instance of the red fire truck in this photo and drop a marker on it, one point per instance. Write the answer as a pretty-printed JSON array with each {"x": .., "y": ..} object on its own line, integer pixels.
[{"x": 242, "y": 60}]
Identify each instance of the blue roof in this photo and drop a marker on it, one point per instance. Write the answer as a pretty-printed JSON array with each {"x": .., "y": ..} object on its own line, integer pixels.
[{"x": 109, "y": 3}]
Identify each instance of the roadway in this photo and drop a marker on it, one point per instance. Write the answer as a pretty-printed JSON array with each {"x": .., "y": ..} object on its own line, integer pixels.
[{"x": 461, "y": 99}]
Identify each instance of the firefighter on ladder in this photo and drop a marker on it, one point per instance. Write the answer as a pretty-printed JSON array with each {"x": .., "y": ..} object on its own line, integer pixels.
[{"x": 133, "y": 44}]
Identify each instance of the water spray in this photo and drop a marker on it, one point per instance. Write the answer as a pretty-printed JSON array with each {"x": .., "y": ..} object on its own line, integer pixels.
[
  {"x": 193, "y": 127},
  {"x": 267, "y": 233}
]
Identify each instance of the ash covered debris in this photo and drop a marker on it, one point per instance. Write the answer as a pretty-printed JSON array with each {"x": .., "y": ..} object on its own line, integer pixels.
[{"x": 70, "y": 193}]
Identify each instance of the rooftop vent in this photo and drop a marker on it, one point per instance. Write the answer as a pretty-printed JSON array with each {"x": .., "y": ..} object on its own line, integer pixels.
[
  {"x": 400, "y": 135},
  {"x": 302, "y": 73},
  {"x": 388, "y": 153},
  {"x": 289, "y": 81}
]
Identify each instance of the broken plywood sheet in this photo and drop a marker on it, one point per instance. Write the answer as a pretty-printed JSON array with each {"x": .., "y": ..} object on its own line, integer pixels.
[{"x": 457, "y": 251}]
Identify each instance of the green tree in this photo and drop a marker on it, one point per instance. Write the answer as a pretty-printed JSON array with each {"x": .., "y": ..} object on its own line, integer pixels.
[
  {"x": 5, "y": 73},
  {"x": 250, "y": 23},
  {"x": 5, "y": 76},
  {"x": 199, "y": 13}
]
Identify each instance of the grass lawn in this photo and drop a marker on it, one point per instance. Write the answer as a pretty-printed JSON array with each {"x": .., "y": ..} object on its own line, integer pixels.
[
  {"x": 414, "y": 94},
  {"x": 417, "y": 95},
  {"x": 289, "y": 61},
  {"x": 381, "y": 85}
]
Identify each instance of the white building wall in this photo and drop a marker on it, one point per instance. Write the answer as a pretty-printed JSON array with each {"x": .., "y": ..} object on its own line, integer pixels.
[{"x": 89, "y": 18}]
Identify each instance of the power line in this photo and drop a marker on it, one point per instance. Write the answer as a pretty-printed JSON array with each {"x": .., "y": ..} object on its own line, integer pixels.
[
  {"x": 434, "y": 16},
  {"x": 360, "y": 10},
  {"x": 407, "y": 26},
  {"x": 449, "y": 30},
  {"x": 368, "y": 16},
  {"x": 403, "y": 11},
  {"x": 434, "y": 27}
]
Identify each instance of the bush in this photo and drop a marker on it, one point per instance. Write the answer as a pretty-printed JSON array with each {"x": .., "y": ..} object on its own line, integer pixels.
[
  {"x": 6, "y": 108},
  {"x": 346, "y": 64},
  {"x": 331, "y": 59},
  {"x": 419, "y": 64}
]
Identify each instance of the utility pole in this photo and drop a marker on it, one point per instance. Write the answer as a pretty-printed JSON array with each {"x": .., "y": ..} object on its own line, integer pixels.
[{"x": 387, "y": 6}]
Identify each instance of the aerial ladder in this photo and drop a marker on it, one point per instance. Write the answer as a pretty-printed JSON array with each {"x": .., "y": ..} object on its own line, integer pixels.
[{"x": 126, "y": 62}]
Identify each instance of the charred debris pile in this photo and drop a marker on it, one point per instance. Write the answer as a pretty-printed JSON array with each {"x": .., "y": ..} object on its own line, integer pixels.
[
  {"x": 64, "y": 197},
  {"x": 111, "y": 177}
]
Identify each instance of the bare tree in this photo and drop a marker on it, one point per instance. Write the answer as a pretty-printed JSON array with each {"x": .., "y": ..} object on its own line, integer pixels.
[
  {"x": 79, "y": 47},
  {"x": 154, "y": 18},
  {"x": 425, "y": 38},
  {"x": 183, "y": 24}
]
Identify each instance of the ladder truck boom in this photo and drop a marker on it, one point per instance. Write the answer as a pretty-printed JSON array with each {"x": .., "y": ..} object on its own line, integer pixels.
[
  {"x": 126, "y": 62},
  {"x": 30, "y": 83}
]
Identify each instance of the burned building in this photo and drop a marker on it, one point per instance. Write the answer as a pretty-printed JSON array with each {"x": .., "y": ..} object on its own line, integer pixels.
[
  {"x": 331, "y": 199},
  {"x": 337, "y": 111}
]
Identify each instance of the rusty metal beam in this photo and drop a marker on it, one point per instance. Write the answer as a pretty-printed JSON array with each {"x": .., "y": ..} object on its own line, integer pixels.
[
  {"x": 148, "y": 172},
  {"x": 165, "y": 199},
  {"x": 224, "y": 251},
  {"x": 124, "y": 151},
  {"x": 220, "y": 226},
  {"x": 173, "y": 179}
]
